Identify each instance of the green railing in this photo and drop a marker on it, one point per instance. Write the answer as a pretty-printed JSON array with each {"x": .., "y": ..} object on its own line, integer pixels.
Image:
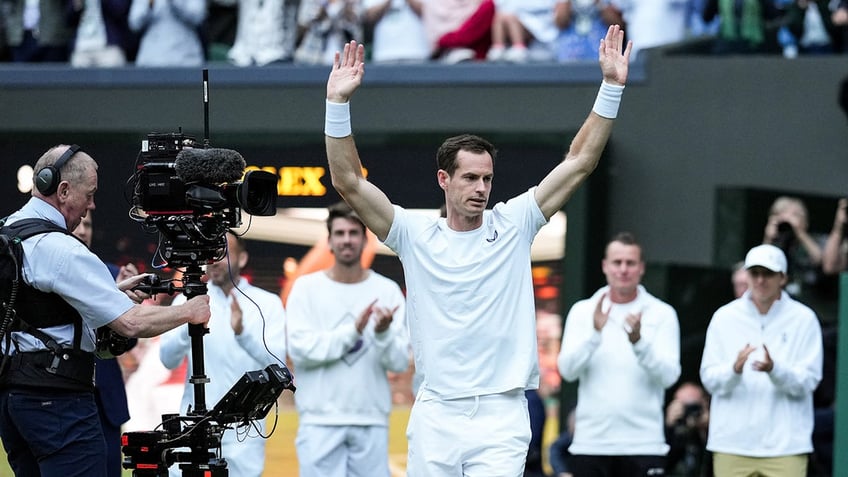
[{"x": 840, "y": 458}]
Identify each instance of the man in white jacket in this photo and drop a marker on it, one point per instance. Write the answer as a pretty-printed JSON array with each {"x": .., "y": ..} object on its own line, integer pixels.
[
  {"x": 762, "y": 361},
  {"x": 345, "y": 330},
  {"x": 623, "y": 345}
]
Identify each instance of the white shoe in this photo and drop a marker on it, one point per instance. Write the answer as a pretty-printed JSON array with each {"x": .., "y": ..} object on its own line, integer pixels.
[
  {"x": 496, "y": 53},
  {"x": 458, "y": 55},
  {"x": 515, "y": 55}
]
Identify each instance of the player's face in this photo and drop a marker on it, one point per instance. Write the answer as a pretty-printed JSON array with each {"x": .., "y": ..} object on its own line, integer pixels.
[
  {"x": 347, "y": 240},
  {"x": 468, "y": 189}
]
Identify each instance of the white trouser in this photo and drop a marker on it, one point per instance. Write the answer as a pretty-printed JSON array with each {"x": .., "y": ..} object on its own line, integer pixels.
[
  {"x": 480, "y": 436},
  {"x": 342, "y": 451}
]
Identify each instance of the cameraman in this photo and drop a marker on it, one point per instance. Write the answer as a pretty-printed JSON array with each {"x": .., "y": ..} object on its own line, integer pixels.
[
  {"x": 787, "y": 229},
  {"x": 687, "y": 419},
  {"x": 48, "y": 416}
]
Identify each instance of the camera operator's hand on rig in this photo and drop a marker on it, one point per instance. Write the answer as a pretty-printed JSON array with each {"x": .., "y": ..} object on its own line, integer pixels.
[{"x": 130, "y": 286}]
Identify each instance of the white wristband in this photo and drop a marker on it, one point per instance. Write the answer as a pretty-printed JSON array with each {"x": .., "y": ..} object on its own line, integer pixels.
[
  {"x": 609, "y": 97},
  {"x": 337, "y": 120}
]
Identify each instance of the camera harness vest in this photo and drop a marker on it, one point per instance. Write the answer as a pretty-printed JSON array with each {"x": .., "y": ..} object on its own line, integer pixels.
[{"x": 28, "y": 310}]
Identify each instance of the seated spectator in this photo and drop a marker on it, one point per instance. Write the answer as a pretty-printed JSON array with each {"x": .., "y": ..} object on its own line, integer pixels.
[
  {"x": 653, "y": 23},
  {"x": 266, "y": 32},
  {"x": 219, "y": 29},
  {"x": 458, "y": 30},
  {"x": 839, "y": 18},
  {"x": 697, "y": 26},
  {"x": 104, "y": 38},
  {"x": 398, "y": 31},
  {"x": 169, "y": 32},
  {"x": 519, "y": 24},
  {"x": 40, "y": 31},
  {"x": 582, "y": 24},
  {"x": 326, "y": 26},
  {"x": 742, "y": 28},
  {"x": 810, "y": 23},
  {"x": 687, "y": 419}
]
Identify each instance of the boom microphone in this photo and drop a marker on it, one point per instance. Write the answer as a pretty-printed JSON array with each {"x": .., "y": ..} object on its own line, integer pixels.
[{"x": 209, "y": 166}]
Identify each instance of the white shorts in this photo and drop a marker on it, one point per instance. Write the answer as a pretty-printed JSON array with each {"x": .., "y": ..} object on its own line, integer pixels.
[
  {"x": 481, "y": 436},
  {"x": 342, "y": 451}
]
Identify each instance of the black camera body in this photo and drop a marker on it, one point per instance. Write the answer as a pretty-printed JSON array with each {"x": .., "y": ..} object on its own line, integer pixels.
[
  {"x": 785, "y": 237},
  {"x": 192, "y": 195},
  {"x": 692, "y": 411}
]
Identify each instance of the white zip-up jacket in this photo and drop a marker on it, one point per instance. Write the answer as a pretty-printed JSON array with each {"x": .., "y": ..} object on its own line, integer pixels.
[
  {"x": 759, "y": 414},
  {"x": 622, "y": 385}
]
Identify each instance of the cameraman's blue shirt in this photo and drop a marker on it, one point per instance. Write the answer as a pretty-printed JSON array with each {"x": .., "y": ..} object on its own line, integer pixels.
[{"x": 59, "y": 263}]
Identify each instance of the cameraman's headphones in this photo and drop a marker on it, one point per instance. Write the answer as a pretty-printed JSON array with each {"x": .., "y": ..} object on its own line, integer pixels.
[{"x": 47, "y": 179}]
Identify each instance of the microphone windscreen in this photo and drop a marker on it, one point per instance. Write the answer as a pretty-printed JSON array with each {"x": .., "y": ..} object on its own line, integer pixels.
[{"x": 209, "y": 166}]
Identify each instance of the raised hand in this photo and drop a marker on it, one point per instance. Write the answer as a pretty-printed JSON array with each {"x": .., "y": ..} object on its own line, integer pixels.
[
  {"x": 346, "y": 75},
  {"x": 614, "y": 62},
  {"x": 600, "y": 317}
]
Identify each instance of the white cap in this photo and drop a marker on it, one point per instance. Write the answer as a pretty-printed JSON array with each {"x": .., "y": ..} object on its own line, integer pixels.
[{"x": 767, "y": 256}]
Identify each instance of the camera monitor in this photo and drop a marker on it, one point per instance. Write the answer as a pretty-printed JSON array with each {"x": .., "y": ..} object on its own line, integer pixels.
[{"x": 252, "y": 396}]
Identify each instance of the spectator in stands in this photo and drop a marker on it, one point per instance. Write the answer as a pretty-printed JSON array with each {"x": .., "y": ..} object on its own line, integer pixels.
[
  {"x": 458, "y": 30},
  {"x": 810, "y": 22},
  {"x": 582, "y": 24},
  {"x": 326, "y": 26},
  {"x": 40, "y": 31},
  {"x": 267, "y": 32},
  {"x": 519, "y": 24},
  {"x": 104, "y": 38},
  {"x": 697, "y": 26},
  {"x": 219, "y": 29},
  {"x": 169, "y": 32},
  {"x": 742, "y": 28},
  {"x": 835, "y": 255},
  {"x": 398, "y": 32},
  {"x": 651, "y": 23},
  {"x": 839, "y": 18}
]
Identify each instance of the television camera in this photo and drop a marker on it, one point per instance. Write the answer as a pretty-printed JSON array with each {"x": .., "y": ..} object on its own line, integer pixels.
[{"x": 192, "y": 195}]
